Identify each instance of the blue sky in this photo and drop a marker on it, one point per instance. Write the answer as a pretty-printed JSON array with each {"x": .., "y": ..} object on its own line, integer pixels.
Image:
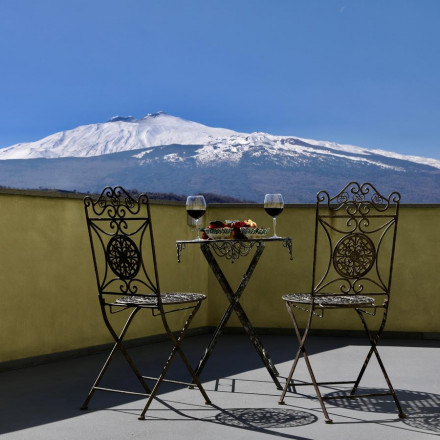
[{"x": 361, "y": 72}]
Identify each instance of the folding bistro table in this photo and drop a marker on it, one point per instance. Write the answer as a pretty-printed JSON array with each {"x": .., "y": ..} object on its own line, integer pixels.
[{"x": 231, "y": 250}]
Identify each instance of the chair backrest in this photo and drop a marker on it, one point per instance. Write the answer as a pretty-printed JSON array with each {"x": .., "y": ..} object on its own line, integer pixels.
[
  {"x": 355, "y": 235},
  {"x": 122, "y": 243}
]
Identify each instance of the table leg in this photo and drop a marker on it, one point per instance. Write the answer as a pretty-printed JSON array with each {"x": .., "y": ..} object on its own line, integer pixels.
[{"x": 235, "y": 305}]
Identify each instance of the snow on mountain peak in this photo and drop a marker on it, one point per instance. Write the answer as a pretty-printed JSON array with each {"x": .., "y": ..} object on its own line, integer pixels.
[
  {"x": 120, "y": 133},
  {"x": 126, "y": 133}
]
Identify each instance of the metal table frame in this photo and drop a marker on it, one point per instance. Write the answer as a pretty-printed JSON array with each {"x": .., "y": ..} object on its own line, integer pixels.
[{"x": 232, "y": 250}]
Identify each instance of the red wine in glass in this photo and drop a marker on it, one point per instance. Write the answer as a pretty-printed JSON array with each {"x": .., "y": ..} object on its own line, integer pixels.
[
  {"x": 196, "y": 207},
  {"x": 195, "y": 213},
  {"x": 273, "y": 205},
  {"x": 274, "y": 212}
]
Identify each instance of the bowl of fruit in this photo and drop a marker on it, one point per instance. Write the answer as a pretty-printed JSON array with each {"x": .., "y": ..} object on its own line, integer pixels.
[
  {"x": 233, "y": 229},
  {"x": 250, "y": 232},
  {"x": 247, "y": 229},
  {"x": 217, "y": 230}
]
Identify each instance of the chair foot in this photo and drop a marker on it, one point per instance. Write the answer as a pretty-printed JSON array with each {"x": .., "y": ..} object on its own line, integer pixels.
[
  {"x": 141, "y": 418},
  {"x": 84, "y": 408},
  {"x": 281, "y": 402},
  {"x": 191, "y": 387},
  {"x": 208, "y": 402},
  {"x": 329, "y": 421},
  {"x": 402, "y": 415}
]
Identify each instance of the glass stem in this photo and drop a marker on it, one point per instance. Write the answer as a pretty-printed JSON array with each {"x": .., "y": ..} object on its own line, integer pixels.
[
  {"x": 274, "y": 226},
  {"x": 197, "y": 228}
]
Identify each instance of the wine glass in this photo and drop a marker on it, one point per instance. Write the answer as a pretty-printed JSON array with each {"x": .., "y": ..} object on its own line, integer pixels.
[
  {"x": 273, "y": 205},
  {"x": 196, "y": 207}
]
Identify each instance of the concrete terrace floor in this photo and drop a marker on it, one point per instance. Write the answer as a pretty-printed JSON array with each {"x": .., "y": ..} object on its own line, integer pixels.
[{"x": 43, "y": 402}]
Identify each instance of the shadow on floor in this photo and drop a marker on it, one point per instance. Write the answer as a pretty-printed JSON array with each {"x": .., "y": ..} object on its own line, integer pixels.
[
  {"x": 55, "y": 391},
  {"x": 422, "y": 409},
  {"x": 259, "y": 418},
  {"x": 52, "y": 392}
]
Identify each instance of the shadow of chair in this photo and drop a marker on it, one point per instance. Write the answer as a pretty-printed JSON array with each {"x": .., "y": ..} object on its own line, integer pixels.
[
  {"x": 122, "y": 243},
  {"x": 265, "y": 418},
  {"x": 355, "y": 236},
  {"x": 423, "y": 407}
]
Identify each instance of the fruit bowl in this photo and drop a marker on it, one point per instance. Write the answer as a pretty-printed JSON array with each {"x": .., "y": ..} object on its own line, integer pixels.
[
  {"x": 254, "y": 232},
  {"x": 218, "y": 233}
]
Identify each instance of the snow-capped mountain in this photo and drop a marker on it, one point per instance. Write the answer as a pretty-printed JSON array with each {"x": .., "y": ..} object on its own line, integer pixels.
[
  {"x": 164, "y": 153},
  {"x": 118, "y": 134},
  {"x": 124, "y": 133}
]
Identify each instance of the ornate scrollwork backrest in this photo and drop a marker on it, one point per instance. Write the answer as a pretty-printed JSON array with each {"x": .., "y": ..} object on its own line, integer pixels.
[
  {"x": 355, "y": 240},
  {"x": 122, "y": 242}
]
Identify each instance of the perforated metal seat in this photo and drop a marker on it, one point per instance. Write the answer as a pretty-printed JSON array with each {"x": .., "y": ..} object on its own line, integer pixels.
[
  {"x": 330, "y": 300},
  {"x": 167, "y": 298}
]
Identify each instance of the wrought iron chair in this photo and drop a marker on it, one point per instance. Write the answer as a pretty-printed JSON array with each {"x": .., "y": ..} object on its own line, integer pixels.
[
  {"x": 355, "y": 235},
  {"x": 124, "y": 257}
]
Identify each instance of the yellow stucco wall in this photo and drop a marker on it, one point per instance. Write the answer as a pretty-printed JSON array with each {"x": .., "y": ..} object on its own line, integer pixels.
[
  {"x": 48, "y": 289},
  {"x": 415, "y": 296}
]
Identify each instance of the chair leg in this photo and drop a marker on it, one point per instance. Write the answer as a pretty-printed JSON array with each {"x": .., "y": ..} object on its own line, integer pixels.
[
  {"x": 289, "y": 377},
  {"x": 302, "y": 350},
  {"x": 118, "y": 344},
  {"x": 370, "y": 353},
  {"x": 361, "y": 373},
  {"x": 176, "y": 349},
  {"x": 295, "y": 361},
  {"x": 373, "y": 349},
  {"x": 182, "y": 355}
]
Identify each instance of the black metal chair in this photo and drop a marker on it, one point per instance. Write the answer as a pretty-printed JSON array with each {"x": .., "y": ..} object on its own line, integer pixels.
[
  {"x": 124, "y": 257},
  {"x": 355, "y": 235}
]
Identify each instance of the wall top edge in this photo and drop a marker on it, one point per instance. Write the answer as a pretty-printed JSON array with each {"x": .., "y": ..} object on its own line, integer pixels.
[
  {"x": 309, "y": 205},
  {"x": 77, "y": 195}
]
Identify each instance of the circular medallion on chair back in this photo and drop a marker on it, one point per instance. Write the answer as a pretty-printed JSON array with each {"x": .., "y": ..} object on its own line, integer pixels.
[
  {"x": 354, "y": 255},
  {"x": 123, "y": 256}
]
